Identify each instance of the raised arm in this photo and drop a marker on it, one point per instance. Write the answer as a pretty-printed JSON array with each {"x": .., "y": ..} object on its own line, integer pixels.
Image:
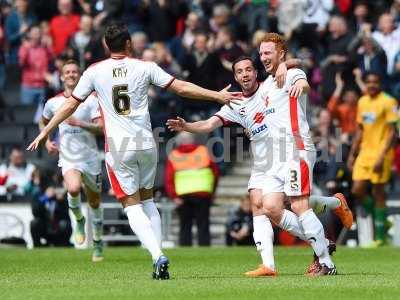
[
  {"x": 204, "y": 126},
  {"x": 65, "y": 111}
]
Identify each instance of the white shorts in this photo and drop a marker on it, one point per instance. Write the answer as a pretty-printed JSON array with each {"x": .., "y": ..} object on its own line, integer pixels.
[
  {"x": 91, "y": 177},
  {"x": 130, "y": 171},
  {"x": 293, "y": 177}
]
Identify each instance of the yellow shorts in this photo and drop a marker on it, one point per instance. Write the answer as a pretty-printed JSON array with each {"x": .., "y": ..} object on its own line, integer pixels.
[{"x": 362, "y": 171}]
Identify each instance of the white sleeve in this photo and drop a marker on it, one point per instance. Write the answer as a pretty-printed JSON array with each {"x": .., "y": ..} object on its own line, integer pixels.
[
  {"x": 48, "y": 111},
  {"x": 293, "y": 75},
  {"x": 159, "y": 77},
  {"x": 84, "y": 87},
  {"x": 94, "y": 108},
  {"x": 228, "y": 115}
]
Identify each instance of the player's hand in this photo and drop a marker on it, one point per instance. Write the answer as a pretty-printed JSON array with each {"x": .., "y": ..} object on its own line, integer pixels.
[
  {"x": 280, "y": 75},
  {"x": 295, "y": 90},
  {"x": 230, "y": 98},
  {"x": 177, "y": 124},
  {"x": 51, "y": 147},
  {"x": 378, "y": 166},
  {"x": 37, "y": 142}
]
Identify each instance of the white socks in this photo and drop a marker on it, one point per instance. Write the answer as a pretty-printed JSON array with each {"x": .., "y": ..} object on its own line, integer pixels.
[
  {"x": 319, "y": 204},
  {"x": 97, "y": 222},
  {"x": 264, "y": 238},
  {"x": 74, "y": 204},
  {"x": 151, "y": 211},
  {"x": 314, "y": 232},
  {"x": 290, "y": 223},
  {"x": 141, "y": 226}
]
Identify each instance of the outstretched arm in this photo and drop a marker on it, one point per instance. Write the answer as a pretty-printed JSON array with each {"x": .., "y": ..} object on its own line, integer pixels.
[
  {"x": 189, "y": 90},
  {"x": 205, "y": 126},
  {"x": 66, "y": 110}
]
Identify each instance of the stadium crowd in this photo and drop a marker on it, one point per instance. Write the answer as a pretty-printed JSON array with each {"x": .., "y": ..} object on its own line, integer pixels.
[{"x": 338, "y": 42}]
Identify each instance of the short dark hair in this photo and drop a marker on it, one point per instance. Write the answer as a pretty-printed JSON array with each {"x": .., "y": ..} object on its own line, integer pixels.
[
  {"x": 371, "y": 73},
  {"x": 239, "y": 59},
  {"x": 116, "y": 35}
]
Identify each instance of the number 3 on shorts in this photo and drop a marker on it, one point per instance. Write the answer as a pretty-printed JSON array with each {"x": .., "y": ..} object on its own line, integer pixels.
[
  {"x": 293, "y": 180},
  {"x": 121, "y": 100}
]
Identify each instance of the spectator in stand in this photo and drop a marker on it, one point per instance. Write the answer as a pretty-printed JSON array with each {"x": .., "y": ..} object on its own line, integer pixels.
[
  {"x": 82, "y": 44},
  {"x": 343, "y": 107},
  {"x": 2, "y": 67},
  {"x": 34, "y": 60},
  {"x": 16, "y": 174},
  {"x": 369, "y": 55},
  {"x": 149, "y": 55},
  {"x": 17, "y": 25},
  {"x": 396, "y": 77},
  {"x": 140, "y": 42},
  {"x": 239, "y": 228},
  {"x": 395, "y": 11},
  {"x": 315, "y": 20},
  {"x": 197, "y": 63},
  {"x": 190, "y": 181},
  {"x": 228, "y": 51},
  {"x": 51, "y": 224},
  {"x": 221, "y": 16},
  {"x": 336, "y": 60},
  {"x": 165, "y": 14},
  {"x": 388, "y": 37},
  {"x": 257, "y": 15},
  {"x": 183, "y": 44},
  {"x": 290, "y": 16},
  {"x": 360, "y": 16},
  {"x": 63, "y": 26}
]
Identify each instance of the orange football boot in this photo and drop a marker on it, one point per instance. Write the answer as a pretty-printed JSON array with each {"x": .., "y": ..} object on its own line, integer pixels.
[
  {"x": 261, "y": 271},
  {"x": 343, "y": 211}
]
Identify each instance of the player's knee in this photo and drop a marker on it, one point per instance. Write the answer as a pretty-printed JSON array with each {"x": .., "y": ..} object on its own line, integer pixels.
[
  {"x": 273, "y": 211},
  {"x": 74, "y": 189},
  {"x": 299, "y": 206}
]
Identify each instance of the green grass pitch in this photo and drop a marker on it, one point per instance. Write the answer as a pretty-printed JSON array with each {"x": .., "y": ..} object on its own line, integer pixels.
[{"x": 196, "y": 273}]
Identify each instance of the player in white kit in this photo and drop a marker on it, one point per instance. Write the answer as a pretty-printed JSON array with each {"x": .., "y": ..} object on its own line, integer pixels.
[
  {"x": 78, "y": 156},
  {"x": 131, "y": 156},
  {"x": 253, "y": 113}
]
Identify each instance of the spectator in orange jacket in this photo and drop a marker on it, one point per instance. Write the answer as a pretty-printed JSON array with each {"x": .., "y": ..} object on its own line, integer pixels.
[
  {"x": 344, "y": 108},
  {"x": 190, "y": 181}
]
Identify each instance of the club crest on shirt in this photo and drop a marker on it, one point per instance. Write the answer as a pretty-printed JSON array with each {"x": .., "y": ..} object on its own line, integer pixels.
[
  {"x": 266, "y": 101},
  {"x": 242, "y": 111}
]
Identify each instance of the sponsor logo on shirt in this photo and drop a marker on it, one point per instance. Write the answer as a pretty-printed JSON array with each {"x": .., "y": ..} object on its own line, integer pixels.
[{"x": 369, "y": 117}]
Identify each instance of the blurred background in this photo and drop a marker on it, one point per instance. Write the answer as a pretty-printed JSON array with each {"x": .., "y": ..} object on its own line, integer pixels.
[{"x": 338, "y": 42}]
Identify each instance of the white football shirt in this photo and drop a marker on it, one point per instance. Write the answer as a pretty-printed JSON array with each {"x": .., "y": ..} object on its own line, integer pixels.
[
  {"x": 122, "y": 84},
  {"x": 288, "y": 123},
  {"x": 77, "y": 146}
]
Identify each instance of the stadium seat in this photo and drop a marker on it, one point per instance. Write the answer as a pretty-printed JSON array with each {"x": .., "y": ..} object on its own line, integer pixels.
[
  {"x": 24, "y": 114},
  {"x": 31, "y": 131},
  {"x": 12, "y": 134}
]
